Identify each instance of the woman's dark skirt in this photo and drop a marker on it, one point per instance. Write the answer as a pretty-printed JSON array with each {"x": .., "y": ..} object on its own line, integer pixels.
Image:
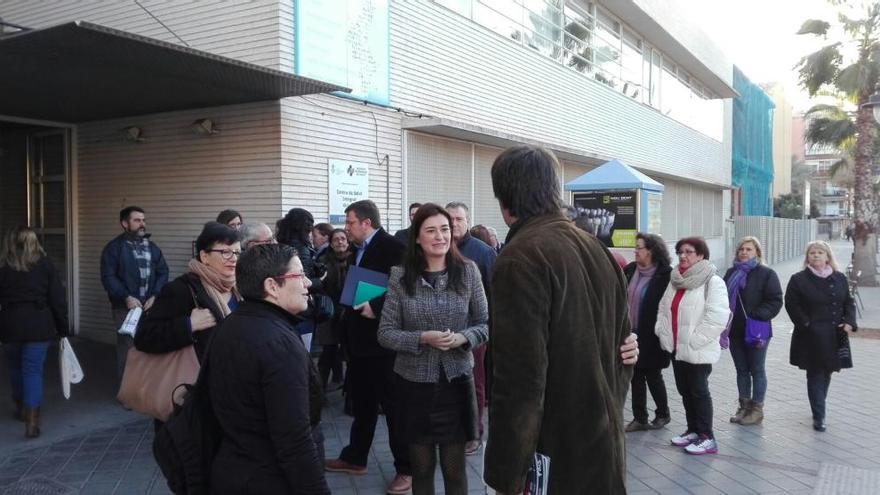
[{"x": 442, "y": 412}]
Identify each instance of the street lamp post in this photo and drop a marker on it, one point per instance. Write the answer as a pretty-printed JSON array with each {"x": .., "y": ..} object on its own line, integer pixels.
[{"x": 874, "y": 104}]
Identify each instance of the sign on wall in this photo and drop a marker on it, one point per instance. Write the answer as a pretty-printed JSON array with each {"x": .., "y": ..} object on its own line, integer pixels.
[
  {"x": 344, "y": 42},
  {"x": 609, "y": 215},
  {"x": 349, "y": 182}
]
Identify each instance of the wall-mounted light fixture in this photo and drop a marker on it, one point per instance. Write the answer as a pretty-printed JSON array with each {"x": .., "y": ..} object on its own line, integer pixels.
[
  {"x": 133, "y": 134},
  {"x": 204, "y": 127}
]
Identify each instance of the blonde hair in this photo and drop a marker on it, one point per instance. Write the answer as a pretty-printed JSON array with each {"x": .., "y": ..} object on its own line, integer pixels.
[
  {"x": 824, "y": 246},
  {"x": 754, "y": 240},
  {"x": 21, "y": 249}
]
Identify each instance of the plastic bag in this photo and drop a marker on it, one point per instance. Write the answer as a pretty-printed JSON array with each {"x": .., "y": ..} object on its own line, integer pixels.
[{"x": 71, "y": 371}]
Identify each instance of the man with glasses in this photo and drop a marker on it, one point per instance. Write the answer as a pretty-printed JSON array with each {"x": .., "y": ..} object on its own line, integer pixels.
[
  {"x": 264, "y": 389},
  {"x": 370, "y": 366},
  {"x": 256, "y": 234},
  {"x": 133, "y": 272}
]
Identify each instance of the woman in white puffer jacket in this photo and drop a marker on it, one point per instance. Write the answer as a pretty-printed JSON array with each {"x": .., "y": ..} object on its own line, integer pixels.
[{"x": 693, "y": 315}]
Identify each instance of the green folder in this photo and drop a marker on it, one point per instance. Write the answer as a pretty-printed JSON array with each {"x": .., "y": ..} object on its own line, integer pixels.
[{"x": 366, "y": 291}]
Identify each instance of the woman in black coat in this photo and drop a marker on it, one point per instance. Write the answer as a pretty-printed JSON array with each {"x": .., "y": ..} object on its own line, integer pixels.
[
  {"x": 33, "y": 312},
  {"x": 336, "y": 259},
  {"x": 264, "y": 388},
  {"x": 754, "y": 288},
  {"x": 190, "y": 307},
  {"x": 823, "y": 312},
  {"x": 647, "y": 279}
]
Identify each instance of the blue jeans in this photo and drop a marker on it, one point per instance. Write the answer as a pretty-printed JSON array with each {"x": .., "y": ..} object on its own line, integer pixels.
[
  {"x": 751, "y": 379},
  {"x": 818, "y": 381},
  {"x": 26, "y": 360}
]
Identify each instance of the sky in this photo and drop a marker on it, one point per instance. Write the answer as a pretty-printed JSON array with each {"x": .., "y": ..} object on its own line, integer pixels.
[{"x": 758, "y": 36}]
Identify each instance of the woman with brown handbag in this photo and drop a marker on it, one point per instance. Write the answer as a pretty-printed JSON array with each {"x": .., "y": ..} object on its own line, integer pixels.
[{"x": 183, "y": 319}]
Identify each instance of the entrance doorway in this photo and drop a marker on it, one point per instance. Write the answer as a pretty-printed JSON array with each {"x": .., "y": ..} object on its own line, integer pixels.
[{"x": 34, "y": 177}]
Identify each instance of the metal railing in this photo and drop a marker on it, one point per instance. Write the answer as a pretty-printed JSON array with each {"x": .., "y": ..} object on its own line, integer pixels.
[{"x": 782, "y": 239}]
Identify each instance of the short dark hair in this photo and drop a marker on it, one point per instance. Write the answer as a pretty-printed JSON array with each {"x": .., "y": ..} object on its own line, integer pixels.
[
  {"x": 324, "y": 228},
  {"x": 414, "y": 205},
  {"x": 482, "y": 233},
  {"x": 295, "y": 227},
  {"x": 365, "y": 209},
  {"x": 216, "y": 233},
  {"x": 227, "y": 216},
  {"x": 259, "y": 263},
  {"x": 525, "y": 181},
  {"x": 697, "y": 242},
  {"x": 127, "y": 211},
  {"x": 654, "y": 243}
]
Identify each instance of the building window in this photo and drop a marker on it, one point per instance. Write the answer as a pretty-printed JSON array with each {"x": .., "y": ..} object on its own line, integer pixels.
[{"x": 590, "y": 40}]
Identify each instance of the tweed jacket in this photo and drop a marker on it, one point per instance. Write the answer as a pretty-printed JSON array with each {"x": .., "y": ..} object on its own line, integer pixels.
[{"x": 439, "y": 307}]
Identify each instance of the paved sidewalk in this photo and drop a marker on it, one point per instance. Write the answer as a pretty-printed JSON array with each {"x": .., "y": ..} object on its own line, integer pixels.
[{"x": 91, "y": 446}]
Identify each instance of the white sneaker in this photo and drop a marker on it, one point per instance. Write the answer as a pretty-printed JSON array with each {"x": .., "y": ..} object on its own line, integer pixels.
[
  {"x": 684, "y": 439},
  {"x": 704, "y": 445}
]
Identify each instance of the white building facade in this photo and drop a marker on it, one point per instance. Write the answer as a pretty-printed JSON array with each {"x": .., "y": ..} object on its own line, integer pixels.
[{"x": 593, "y": 81}]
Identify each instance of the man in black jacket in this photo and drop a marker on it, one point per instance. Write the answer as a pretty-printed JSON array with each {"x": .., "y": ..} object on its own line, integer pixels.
[
  {"x": 264, "y": 388},
  {"x": 370, "y": 366}
]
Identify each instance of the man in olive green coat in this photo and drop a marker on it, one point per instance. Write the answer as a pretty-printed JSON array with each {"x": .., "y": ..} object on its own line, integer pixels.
[{"x": 559, "y": 317}]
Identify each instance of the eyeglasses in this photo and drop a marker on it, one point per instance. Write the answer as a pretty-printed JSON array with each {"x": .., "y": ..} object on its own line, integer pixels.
[
  {"x": 639, "y": 248},
  {"x": 270, "y": 240},
  {"x": 289, "y": 275},
  {"x": 226, "y": 254},
  {"x": 687, "y": 252}
]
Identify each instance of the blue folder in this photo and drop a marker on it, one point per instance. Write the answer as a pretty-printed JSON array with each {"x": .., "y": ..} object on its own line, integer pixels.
[{"x": 361, "y": 285}]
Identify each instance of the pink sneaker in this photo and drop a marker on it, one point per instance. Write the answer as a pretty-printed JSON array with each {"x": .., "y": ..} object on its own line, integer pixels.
[
  {"x": 704, "y": 445},
  {"x": 684, "y": 439}
]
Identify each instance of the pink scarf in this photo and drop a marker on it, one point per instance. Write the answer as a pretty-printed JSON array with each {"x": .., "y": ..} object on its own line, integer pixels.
[
  {"x": 825, "y": 273},
  {"x": 636, "y": 290}
]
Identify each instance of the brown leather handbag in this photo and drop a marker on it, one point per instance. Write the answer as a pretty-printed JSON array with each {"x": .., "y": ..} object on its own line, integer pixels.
[{"x": 150, "y": 380}]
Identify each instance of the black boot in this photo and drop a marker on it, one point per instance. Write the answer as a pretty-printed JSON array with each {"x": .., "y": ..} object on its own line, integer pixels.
[{"x": 31, "y": 422}]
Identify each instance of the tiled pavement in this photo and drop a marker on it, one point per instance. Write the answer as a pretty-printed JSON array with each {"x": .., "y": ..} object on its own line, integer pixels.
[{"x": 90, "y": 446}]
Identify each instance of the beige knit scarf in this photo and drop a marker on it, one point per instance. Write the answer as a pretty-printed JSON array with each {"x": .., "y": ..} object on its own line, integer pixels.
[{"x": 215, "y": 284}]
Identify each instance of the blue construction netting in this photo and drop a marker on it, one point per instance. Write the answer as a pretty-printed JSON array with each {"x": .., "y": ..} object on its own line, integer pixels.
[{"x": 752, "y": 146}]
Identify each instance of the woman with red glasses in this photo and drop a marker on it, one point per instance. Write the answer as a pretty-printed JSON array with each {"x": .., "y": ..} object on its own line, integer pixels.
[
  {"x": 692, "y": 316},
  {"x": 192, "y": 305}
]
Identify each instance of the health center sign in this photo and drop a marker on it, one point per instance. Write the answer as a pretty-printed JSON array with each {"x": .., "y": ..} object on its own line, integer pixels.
[{"x": 348, "y": 182}]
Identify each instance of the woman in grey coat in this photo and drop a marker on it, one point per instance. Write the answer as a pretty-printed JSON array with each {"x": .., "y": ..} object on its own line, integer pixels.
[{"x": 434, "y": 314}]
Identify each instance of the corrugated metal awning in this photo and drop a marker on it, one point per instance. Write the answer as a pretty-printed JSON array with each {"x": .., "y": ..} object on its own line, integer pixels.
[{"x": 79, "y": 72}]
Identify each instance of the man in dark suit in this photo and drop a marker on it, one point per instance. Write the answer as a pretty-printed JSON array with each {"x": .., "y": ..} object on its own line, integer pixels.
[
  {"x": 403, "y": 234},
  {"x": 370, "y": 366}
]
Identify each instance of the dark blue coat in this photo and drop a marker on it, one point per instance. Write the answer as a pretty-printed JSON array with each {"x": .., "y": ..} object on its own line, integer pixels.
[
  {"x": 119, "y": 272},
  {"x": 480, "y": 253},
  {"x": 651, "y": 355}
]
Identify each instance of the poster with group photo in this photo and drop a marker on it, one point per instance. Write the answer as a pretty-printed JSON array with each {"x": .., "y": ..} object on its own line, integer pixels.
[{"x": 612, "y": 216}]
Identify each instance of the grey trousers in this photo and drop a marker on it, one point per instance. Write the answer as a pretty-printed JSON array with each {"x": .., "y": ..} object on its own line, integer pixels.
[{"x": 123, "y": 342}]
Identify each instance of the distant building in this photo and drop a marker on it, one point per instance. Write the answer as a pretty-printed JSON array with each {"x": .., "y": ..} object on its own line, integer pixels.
[
  {"x": 752, "y": 160},
  {"x": 782, "y": 139}
]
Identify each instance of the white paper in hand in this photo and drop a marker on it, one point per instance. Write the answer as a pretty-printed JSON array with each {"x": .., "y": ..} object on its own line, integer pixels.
[
  {"x": 71, "y": 371},
  {"x": 129, "y": 326}
]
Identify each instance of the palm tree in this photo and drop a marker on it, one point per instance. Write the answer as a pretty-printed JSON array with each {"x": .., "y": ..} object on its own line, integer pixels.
[{"x": 830, "y": 68}]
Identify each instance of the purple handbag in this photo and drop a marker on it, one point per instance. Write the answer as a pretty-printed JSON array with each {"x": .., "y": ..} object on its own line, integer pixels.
[{"x": 758, "y": 332}]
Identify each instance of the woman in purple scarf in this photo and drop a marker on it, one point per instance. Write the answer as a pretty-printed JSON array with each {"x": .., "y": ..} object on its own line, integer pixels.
[{"x": 754, "y": 291}]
